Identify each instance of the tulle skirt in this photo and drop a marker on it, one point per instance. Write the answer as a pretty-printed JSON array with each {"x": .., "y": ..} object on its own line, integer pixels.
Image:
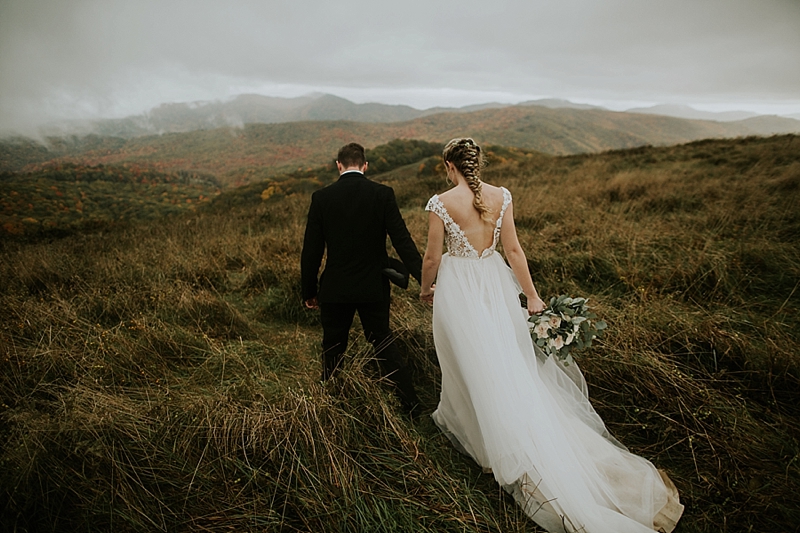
[{"x": 527, "y": 417}]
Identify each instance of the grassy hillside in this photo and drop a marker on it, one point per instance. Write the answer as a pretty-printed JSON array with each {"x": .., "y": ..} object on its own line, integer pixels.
[
  {"x": 162, "y": 376},
  {"x": 255, "y": 152},
  {"x": 59, "y": 198}
]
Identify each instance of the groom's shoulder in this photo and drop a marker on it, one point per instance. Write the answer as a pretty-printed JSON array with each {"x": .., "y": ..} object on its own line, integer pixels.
[
  {"x": 380, "y": 187},
  {"x": 337, "y": 189},
  {"x": 375, "y": 185},
  {"x": 363, "y": 184},
  {"x": 384, "y": 192},
  {"x": 327, "y": 190}
]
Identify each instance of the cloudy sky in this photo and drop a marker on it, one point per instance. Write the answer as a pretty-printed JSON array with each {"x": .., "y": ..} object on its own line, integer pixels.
[{"x": 62, "y": 59}]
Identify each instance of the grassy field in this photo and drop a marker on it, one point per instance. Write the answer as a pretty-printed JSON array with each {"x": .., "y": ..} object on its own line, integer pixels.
[{"x": 161, "y": 375}]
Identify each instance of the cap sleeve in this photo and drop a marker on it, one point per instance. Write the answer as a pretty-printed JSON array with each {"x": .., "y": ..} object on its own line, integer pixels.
[{"x": 435, "y": 206}]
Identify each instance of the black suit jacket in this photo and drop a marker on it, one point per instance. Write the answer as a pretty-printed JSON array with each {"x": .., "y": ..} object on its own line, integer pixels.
[{"x": 351, "y": 218}]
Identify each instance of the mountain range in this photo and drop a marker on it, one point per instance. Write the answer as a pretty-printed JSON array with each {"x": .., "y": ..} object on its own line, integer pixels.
[
  {"x": 255, "y": 109},
  {"x": 685, "y": 111},
  {"x": 243, "y": 151}
]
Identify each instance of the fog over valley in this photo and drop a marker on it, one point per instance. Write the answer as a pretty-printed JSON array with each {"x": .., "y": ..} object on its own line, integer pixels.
[{"x": 87, "y": 60}]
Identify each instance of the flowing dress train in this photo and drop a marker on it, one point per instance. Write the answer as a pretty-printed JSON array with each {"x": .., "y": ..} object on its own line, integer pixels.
[{"x": 527, "y": 417}]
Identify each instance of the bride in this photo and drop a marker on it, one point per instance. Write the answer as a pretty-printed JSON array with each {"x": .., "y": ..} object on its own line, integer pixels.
[{"x": 519, "y": 414}]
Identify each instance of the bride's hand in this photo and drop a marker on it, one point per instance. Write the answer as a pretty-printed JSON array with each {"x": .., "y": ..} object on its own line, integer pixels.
[
  {"x": 427, "y": 296},
  {"x": 535, "y": 305}
]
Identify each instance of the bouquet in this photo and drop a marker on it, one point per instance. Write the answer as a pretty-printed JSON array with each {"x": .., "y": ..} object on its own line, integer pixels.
[{"x": 565, "y": 325}]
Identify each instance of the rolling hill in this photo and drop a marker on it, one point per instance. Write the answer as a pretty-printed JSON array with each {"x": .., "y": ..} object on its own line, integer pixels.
[
  {"x": 259, "y": 109},
  {"x": 252, "y": 152},
  {"x": 246, "y": 109},
  {"x": 63, "y": 198}
]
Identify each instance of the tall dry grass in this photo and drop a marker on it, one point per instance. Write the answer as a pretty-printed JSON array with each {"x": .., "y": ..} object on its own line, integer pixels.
[{"x": 162, "y": 377}]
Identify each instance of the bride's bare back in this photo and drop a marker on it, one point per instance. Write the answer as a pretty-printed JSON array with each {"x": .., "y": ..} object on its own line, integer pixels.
[
  {"x": 458, "y": 202},
  {"x": 463, "y": 161}
]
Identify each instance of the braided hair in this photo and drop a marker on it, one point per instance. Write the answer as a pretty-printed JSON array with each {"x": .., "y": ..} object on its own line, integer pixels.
[{"x": 468, "y": 159}]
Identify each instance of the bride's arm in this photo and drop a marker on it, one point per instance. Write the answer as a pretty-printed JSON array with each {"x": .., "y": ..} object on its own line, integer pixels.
[
  {"x": 516, "y": 259},
  {"x": 433, "y": 256}
]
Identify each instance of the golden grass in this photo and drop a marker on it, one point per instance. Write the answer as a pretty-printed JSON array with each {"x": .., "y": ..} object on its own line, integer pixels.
[{"x": 162, "y": 376}]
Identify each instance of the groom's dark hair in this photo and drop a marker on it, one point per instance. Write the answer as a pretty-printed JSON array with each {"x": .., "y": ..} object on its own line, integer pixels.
[{"x": 351, "y": 155}]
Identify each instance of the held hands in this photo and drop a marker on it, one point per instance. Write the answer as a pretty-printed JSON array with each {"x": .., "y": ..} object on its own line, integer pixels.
[
  {"x": 535, "y": 305},
  {"x": 312, "y": 303},
  {"x": 427, "y": 296}
]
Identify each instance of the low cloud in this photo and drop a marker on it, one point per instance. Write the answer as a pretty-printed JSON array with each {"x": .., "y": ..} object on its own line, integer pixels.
[{"x": 88, "y": 59}]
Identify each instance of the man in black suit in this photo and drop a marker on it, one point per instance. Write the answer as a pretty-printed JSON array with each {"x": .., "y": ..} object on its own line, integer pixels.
[{"x": 351, "y": 218}]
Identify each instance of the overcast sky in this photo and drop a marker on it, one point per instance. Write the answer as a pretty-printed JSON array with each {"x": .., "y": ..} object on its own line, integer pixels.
[{"x": 110, "y": 58}]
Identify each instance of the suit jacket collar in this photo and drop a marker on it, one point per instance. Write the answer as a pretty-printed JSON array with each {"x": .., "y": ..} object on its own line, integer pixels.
[{"x": 352, "y": 174}]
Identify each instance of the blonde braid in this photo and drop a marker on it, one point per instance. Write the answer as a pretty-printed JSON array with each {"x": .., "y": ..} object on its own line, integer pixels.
[{"x": 468, "y": 159}]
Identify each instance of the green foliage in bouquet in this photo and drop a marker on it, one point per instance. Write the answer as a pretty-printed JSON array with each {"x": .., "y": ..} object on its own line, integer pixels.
[{"x": 565, "y": 325}]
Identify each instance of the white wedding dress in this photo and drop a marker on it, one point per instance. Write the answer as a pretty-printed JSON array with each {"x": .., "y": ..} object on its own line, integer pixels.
[{"x": 524, "y": 416}]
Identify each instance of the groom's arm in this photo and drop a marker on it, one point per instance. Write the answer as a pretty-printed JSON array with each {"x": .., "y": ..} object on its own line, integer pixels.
[
  {"x": 313, "y": 249},
  {"x": 401, "y": 238}
]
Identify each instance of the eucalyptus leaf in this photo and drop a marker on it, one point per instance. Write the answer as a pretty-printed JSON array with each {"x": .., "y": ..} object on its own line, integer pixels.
[{"x": 575, "y": 320}]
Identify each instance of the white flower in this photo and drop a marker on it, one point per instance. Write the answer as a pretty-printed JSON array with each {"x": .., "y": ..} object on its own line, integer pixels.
[
  {"x": 541, "y": 330},
  {"x": 558, "y": 329},
  {"x": 557, "y": 343}
]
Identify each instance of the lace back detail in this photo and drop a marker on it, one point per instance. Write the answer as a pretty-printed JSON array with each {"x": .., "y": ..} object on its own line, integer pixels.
[{"x": 455, "y": 239}]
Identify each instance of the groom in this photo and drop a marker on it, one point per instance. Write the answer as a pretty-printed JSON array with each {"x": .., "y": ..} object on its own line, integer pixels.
[{"x": 351, "y": 218}]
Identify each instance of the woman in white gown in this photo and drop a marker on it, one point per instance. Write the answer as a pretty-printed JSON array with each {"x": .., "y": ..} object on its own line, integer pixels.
[{"x": 519, "y": 414}]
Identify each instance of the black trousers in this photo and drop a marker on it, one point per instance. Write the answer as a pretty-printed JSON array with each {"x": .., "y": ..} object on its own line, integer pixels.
[{"x": 336, "y": 321}]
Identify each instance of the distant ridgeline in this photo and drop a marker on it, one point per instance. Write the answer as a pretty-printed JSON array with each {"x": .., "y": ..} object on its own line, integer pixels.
[
  {"x": 59, "y": 197},
  {"x": 252, "y": 151}
]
